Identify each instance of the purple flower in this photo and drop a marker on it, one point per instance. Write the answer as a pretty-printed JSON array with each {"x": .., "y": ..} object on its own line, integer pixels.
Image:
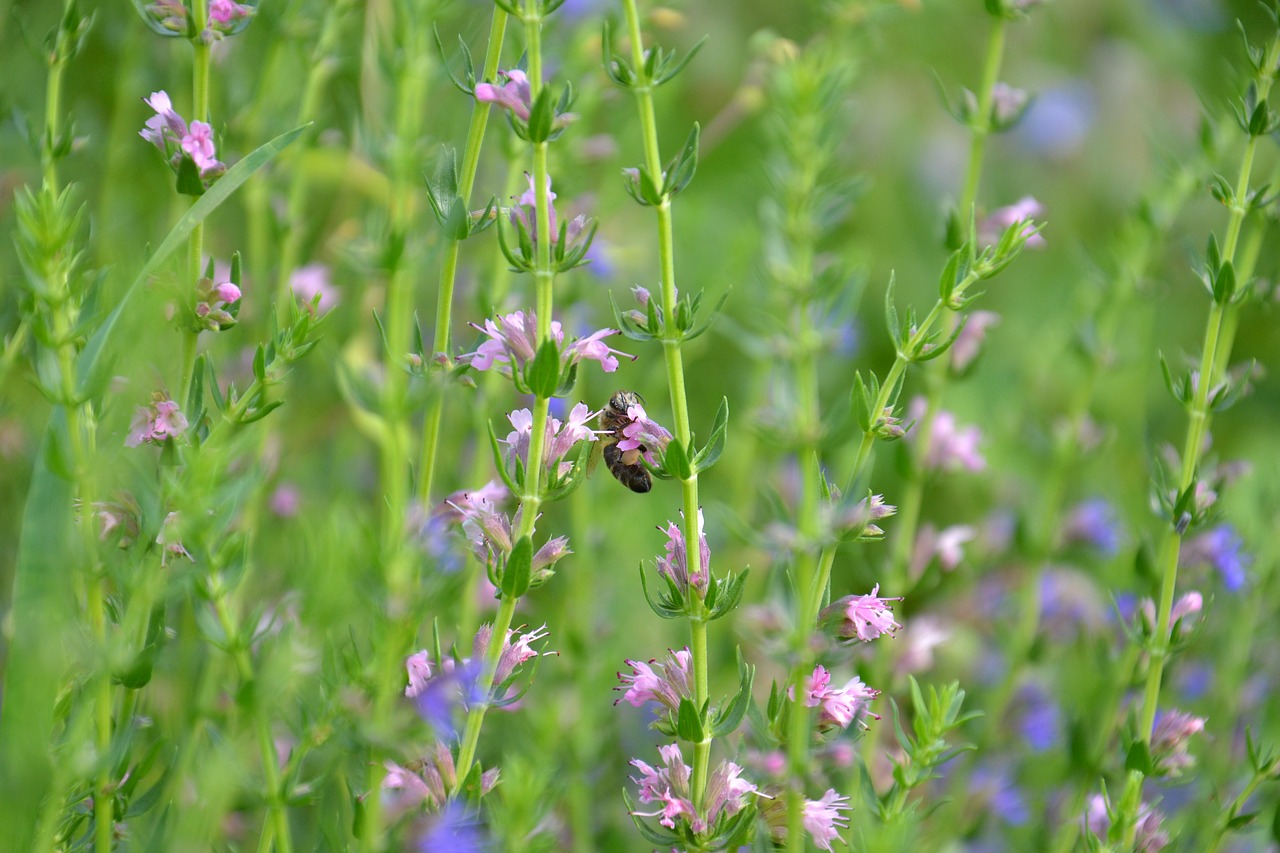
[
  {"x": 285, "y": 501},
  {"x": 1001, "y": 219},
  {"x": 643, "y": 434},
  {"x": 838, "y": 707},
  {"x": 1150, "y": 838},
  {"x": 726, "y": 792},
  {"x": 1039, "y": 719},
  {"x": 453, "y": 830},
  {"x": 1093, "y": 523},
  {"x": 168, "y": 132},
  {"x": 513, "y": 340},
  {"x": 157, "y": 423},
  {"x": 951, "y": 447},
  {"x": 1170, "y": 737},
  {"x": 1002, "y": 796},
  {"x": 1223, "y": 549},
  {"x": 969, "y": 342},
  {"x": 864, "y": 617},
  {"x": 665, "y": 682},
  {"x": 312, "y": 281},
  {"x": 514, "y": 94},
  {"x": 675, "y": 565},
  {"x": 822, "y": 818},
  {"x": 560, "y": 438},
  {"x": 946, "y": 544}
]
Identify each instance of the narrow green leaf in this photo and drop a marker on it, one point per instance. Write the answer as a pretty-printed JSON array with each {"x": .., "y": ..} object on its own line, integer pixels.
[
  {"x": 515, "y": 577},
  {"x": 94, "y": 364}
]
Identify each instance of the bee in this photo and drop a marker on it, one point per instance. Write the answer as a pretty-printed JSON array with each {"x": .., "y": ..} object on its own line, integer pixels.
[{"x": 624, "y": 465}]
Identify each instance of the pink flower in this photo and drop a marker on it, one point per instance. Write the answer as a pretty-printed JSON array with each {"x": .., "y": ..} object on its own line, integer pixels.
[
  {"x": 950, "y": 446},
  {"x": 285, "y": 500},
  {"x": 513, "y": 340},
  {"x": 154, "y": 425},
  {"x": 665, "y": 682},
  {"x": 726, "y": 791},
  {"x": 164, "y": 120},
  {"x": 840, "y": 706},
  {"x": 969, "y": 342},
  {"x": 823, "y": 819},
  {"x": 227, "y": 292},
  {"x": 226, "y": 12},
  {"x": 560, "y": 438},
  {"x": 514, "y": 94},
  {"x": 311, "y": 281},
  {"x": 865, "y": 617},
  {"x": 418, "y": 665},
  {"x": 999, "y": 220},
  {"x": 198, "y": 143},
  {"x": 675, "y": 565},
  {"x": 169, "y": 539},
  {"x": 1169, "y": 740}
]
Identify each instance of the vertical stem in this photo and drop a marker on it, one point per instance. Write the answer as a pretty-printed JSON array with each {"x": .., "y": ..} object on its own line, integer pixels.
[
  {"x": 195, "y": 243},
  {"x": 323, "y": 63},
  {"x": 1211, "y": 364},
  {"x": 692, "y": 526},
  {"x": 441, "y": 343},
  {"x": 543, "y": 280}
]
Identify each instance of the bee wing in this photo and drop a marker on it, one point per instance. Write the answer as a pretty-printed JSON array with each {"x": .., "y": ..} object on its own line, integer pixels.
[{"x": 597, "y": 451}]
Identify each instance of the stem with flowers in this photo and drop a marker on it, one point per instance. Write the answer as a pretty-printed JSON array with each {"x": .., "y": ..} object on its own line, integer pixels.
[
  {"x": 981, "y": 122},
  {"x": 441, "y": 342},
  {"x": 195, "y": 243},
  {"x": 671, "y": 349},
  {"x": 531, "y": 497},
  {"x": 1201, "y": 393}
]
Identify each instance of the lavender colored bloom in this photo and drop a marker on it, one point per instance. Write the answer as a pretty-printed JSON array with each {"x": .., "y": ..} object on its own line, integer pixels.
[
  {"x": 1057, "y": 123},
  {"x": 559, "y": 439},
  {"x": 999, "y": 220},
  {"x": 1150, "y": 837},
  {"x": 453, "y": 830},
  {"x": 950, "y": 446},
  {"x": 864, "y": 617},
  {"x": 665, "y": 682},
  {"x": 1094, "y": 523},
  {"x": 169, "y": 133},
  {"x": 969, "y": 342},
  {"x": 1001, "y": 794},
  {"x": 946, "y": 544},
  {"x": 513, "y": 342},
  {"x": 1039, "y": 720},
  {"x": 1223, "y": 549},
  {"x": 726, "y": 793},
  {"x": 822, "y": 818},
  {"x": 1170, "y": 737},
  {"x": 514, "y": 94},
  {"x": 675, "y": 565},
  {"x": 838, "y": 707},
  {"x": 311, "y": 285},
  {"x": 157, "y": 423}
]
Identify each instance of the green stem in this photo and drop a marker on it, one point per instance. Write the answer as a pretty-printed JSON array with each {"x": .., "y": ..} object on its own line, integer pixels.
[
  {"x": 441, "y": 343},
  {"x": 277, "y": 827},
  {"x": 671, "y": 342},
  {"x": 394, "y": 446},
  {"x": 531, "y": 498},
  {"x": 1197, "y": 427},
  {"x": 324, "y": 61},
  {"x": 907, "y": 521},
  {"x": 195, "y": 243}
]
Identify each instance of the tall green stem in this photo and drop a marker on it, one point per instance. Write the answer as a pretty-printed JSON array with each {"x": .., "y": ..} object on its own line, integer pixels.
[
  {"x": 1199, "y": 416},
  {"x": 195, "y": 243},
  {"x": 441, "y": 343},
  {"x": 909, "y": 507},
  {"x": 531, "y": 498},
  {"x": 692, "y": 526}
]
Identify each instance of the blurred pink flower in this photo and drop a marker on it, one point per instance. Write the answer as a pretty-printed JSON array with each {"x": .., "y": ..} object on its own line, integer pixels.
[{"x": 311, "y": 281}]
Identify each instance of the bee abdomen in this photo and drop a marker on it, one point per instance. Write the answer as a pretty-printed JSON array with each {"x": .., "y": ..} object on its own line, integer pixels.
[{"x": 634, "y": 476}]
